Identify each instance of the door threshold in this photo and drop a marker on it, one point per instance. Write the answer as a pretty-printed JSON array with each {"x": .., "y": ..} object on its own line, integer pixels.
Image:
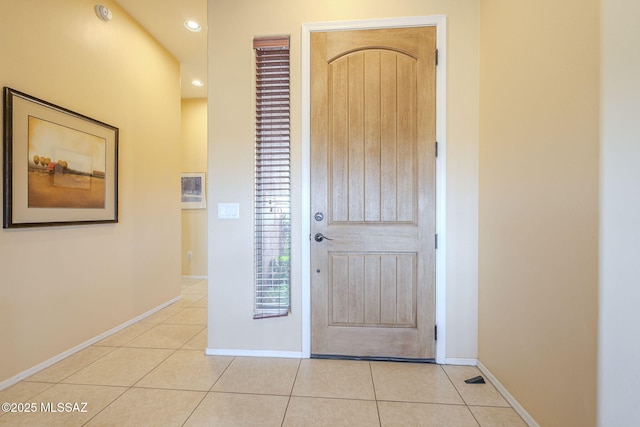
[{"x": 372, "y": 358}]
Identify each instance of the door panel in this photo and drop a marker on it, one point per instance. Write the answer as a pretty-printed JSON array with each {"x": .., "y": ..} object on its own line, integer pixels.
[
  {"x": 373, "y": 178},
  {"x": 372, "y": 290}
]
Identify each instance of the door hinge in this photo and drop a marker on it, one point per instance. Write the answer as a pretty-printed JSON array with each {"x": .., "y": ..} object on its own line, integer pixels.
[
  {"x": 436, "y": 148},
  {"x": 436, "y": 57},
  {"x": 436, "y": 241},
  {"x": 435, "y": 332}
]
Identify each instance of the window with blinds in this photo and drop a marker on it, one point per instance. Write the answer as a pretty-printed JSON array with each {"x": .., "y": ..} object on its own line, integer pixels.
[{"x": 272, "y": 202}]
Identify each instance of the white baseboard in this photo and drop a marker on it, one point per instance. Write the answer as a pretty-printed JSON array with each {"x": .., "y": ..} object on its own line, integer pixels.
[
  {"x": 253, "y": 353},
  {"x": 505, "y": 393},
  {"x": 458, "y": 361},
  {"x": 39, "y": 367}
]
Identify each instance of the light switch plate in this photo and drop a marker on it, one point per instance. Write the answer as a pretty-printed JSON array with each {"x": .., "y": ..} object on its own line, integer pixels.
[{"x": 228, "y": 211}]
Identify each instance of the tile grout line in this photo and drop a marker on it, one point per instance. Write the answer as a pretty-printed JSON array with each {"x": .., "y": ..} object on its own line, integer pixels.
[
  {"x": 206, "y": 393},
  {"x": 210, "y": 390},
  {"x": 106, "y": 406},
  {"x": 295, "y": 378},
  {"x": 221, "y": 374},
  {"x": 375, "y": 395},
  {"x": 74, "y": 372},
  {"x": 466, "y": 405}
]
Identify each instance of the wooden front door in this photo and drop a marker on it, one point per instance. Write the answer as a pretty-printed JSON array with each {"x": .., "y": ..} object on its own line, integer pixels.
[{"x": 373, "y": 193}]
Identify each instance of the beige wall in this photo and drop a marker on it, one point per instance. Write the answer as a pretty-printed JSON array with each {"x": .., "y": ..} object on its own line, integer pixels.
[
  {"x": 618, "y": 391},
  {"x": 232, "y": 25},
  {"x": 538, "y": 241},
  {"x": 194, "y": 159},
  {"x": 61, "y": 286}
]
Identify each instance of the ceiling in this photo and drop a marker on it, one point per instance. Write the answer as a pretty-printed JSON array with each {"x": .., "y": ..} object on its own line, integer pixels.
[{"x": 164, "y": 20}]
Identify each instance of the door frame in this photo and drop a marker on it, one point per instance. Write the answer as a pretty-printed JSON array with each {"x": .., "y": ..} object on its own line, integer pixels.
[{"x": 439, "y": 21}]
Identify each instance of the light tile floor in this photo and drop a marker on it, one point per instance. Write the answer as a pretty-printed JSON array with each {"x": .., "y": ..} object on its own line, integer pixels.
[{"x": 155, "y": 373}]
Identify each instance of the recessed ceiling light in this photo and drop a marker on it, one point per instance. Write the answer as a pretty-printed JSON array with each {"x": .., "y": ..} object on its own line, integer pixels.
[
  {"x": 197, "y": 82},
  {"x": 192, "y": 26}
]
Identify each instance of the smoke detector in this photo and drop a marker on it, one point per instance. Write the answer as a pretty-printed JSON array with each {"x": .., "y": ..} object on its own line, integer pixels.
[{"x": 103, "y": 13}]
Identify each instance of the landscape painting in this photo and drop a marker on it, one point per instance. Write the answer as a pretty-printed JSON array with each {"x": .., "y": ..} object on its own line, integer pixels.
[
  {"x": 60, "y": 167},
  {"x": 66, "y": 167}
]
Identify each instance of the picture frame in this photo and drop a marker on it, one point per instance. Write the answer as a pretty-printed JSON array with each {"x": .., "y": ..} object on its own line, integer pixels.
[
  {"x": 60, "y": 167},
  {"x": 193, "y": 190}
]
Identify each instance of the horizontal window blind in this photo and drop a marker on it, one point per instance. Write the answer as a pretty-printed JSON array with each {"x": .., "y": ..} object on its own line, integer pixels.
[{"x": 272, "y": 202}]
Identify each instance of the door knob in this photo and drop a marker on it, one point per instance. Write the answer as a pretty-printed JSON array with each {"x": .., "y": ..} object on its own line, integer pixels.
[{"x": 319, "y": 237}]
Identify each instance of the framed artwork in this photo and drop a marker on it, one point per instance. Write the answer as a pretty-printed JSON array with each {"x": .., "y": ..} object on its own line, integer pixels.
[
  {"x": 60, "y": 167},
  {"x": 193, "y": 190}
]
